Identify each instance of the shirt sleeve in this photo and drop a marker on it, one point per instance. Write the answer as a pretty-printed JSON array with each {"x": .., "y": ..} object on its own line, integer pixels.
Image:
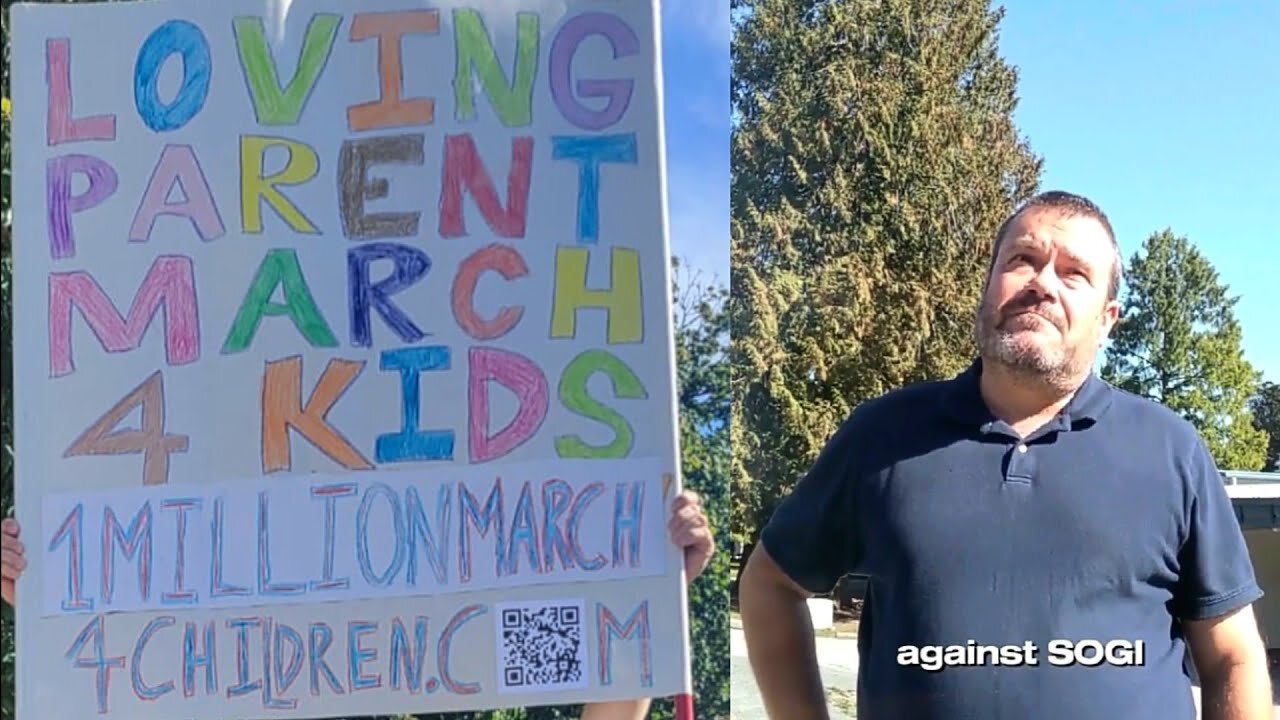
[
  {"x": 1216, "y": 573},
  {"x": 812, "y": 535}
]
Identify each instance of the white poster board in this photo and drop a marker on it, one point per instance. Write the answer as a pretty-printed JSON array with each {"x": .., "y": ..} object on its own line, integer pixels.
[{"x": 345, "y": 371}]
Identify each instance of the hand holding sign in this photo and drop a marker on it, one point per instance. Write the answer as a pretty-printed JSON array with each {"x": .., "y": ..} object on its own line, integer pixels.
[
  {"x": 345, "y": 374},
  {"x": 12, "y": 560}
]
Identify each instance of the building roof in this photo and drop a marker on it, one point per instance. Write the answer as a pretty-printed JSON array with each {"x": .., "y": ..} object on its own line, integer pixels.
[{"x": 1256, "y": 497}]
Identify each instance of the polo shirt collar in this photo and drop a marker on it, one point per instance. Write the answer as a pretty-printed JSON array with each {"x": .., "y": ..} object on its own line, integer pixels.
[{"x": 962, "y": 399}]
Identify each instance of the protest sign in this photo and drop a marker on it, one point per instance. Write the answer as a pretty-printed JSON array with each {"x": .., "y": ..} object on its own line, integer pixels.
[{"x": 344, "y": 361}]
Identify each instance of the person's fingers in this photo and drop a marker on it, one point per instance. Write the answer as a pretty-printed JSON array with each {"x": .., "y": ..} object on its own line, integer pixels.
[
  {"x": 12, "y": 565},
  {"x": 700, "y": 534},
  {"x": 692, "y": 530},
  {"x": 688, "y": 516},
  {"x": 9, "y": 526},
  {"x": 12, "y": 544},
  {"x": 12, "y": 557},
  {"x": 699, "y": 546},
  {"x": 698, "y": 522},
  {"x": 685, "y": 499},
  {"x": 693, "y": 536}
]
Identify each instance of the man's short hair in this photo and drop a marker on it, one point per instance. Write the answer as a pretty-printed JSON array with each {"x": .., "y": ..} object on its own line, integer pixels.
[{"x": 1070, "y": 205}]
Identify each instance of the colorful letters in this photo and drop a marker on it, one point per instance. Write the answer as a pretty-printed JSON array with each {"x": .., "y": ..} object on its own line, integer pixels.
[{"x": 305, "y": 250}]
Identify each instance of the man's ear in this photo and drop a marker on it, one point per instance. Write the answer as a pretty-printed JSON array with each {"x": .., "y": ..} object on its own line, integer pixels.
[{"x": 1110, "y": 316}]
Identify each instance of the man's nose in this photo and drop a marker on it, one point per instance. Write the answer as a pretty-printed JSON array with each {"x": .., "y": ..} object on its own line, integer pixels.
[{"x": 1044, "y": 284}]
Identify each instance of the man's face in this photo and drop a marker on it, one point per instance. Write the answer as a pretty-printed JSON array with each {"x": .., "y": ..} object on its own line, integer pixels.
[{"x": 1045, "y": 311}]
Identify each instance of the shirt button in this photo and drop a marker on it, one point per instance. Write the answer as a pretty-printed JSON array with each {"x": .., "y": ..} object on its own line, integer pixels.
[{"x": 1022, "y": 448}]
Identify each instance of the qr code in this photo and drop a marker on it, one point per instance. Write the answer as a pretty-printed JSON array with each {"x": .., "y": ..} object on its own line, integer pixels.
[{"x": 541, "y": 646}]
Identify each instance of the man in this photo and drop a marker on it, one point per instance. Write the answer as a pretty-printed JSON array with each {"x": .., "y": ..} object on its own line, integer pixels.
[
  {"x": 1022, "y": 502},
  {"x": 687, "y": 527}
]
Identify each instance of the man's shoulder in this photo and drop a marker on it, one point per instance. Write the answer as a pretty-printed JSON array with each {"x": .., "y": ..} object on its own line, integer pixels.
[
  {"x": 1140, "y": 412},
  {"x": 912, "y": 403},
  {"x": 1169, "y": 443}
]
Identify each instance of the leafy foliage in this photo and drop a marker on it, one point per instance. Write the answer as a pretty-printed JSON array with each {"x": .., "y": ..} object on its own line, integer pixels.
[{"x": 1178, "y": 343}]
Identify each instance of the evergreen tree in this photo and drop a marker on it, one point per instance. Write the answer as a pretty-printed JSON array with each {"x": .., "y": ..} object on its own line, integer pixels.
[
  {"x": 874, "y": 156},
  {"x": 1266, "y": 417},
  {"x": 1178, "y": 343}
]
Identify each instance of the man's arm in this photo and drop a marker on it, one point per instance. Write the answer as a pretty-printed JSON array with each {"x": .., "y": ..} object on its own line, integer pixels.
[
  {"x": 810, "y": 542},
  {"x": 779, "y": 635},
  {"x": 1231, "y": 661},
  {"x": 1214, "y": 597}
]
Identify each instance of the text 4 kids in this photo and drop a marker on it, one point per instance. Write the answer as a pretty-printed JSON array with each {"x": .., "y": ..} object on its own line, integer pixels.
[{"x": 534, "y": 271}]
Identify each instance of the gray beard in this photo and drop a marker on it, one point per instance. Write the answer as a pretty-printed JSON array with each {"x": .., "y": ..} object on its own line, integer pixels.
[{"x": 1056, "y": 367}]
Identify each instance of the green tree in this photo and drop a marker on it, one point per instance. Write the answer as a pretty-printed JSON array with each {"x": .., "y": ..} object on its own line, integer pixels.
[
  {"x": 702, "y": 340},
  {"x": 1266, "y": 417},
  {"x": 874, "y": 156},
  {"x": 1178, "y": 343}
]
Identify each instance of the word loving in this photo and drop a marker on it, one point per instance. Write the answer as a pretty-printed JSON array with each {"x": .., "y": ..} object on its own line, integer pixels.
[{"x": 169, "y": 284}]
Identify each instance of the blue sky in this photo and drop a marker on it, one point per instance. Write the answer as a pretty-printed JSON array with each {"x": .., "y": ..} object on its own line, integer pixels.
[
  {"x": 695, "y": 60},
  {"x": 1165, "y": 114}
]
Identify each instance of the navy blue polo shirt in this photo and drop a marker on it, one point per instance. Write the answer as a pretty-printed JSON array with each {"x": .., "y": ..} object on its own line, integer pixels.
[{"x": 1111, "y": 523}]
